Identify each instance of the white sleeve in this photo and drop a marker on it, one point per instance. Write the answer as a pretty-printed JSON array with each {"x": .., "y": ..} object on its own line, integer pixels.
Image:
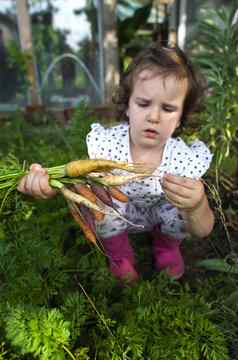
[
  {"x": 108, "y": 143},
  {"x": 203, "y": 158},
  {"x": 191, "y": 161},
  {"x": 97, "y": 143}
]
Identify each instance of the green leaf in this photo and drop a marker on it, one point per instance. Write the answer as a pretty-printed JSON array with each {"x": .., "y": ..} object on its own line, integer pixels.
[{"x": 218, "y": 265}]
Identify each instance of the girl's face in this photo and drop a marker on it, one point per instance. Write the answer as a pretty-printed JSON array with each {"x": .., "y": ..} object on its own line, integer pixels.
[{"x": 155, "y": 108}]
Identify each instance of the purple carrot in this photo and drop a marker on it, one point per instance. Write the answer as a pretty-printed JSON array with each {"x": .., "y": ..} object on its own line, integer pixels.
[
  {"x": 88, "y": 217},
  {"x": 102, "y": 194}
]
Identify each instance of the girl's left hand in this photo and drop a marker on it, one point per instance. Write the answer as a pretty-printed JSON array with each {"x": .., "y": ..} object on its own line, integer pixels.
[{"x": 183, "y": 192}]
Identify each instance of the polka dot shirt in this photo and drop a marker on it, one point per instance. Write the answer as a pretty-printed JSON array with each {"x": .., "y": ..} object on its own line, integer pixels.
[
  {"x": 147, "y": 204},
  {"x": 178, "y": 159}
]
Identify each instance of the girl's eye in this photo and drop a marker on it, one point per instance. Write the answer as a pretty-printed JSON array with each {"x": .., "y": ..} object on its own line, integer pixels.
[
  {"x": 168, "y": 108},
  {"x": 143, "y": 105}
]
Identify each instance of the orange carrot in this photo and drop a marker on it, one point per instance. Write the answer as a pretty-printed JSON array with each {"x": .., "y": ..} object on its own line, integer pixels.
[
  {"x": 88, "y": 233},
  {"x": 118, "y": 194},
  {"x": 86, "y": 192}
]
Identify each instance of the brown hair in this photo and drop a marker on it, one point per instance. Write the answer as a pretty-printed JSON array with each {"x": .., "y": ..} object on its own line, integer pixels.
[{"x": 168, "y": 61}]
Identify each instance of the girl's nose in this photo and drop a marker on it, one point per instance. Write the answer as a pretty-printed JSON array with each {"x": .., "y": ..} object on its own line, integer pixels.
[{"x": 154, "y": 116}]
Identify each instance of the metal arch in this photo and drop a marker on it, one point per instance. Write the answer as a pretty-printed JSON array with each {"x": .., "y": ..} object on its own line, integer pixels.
[{"x": 74, "y": 57}]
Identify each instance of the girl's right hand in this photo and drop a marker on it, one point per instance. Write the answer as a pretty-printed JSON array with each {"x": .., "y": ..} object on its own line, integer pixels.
[{"x": 36, "y": 183}]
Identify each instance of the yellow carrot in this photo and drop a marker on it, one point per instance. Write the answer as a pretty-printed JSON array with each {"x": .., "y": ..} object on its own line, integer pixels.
[{"x": 82, "y": 167}]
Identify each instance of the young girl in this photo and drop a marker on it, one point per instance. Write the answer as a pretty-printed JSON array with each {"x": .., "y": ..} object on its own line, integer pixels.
[{"x": 158, "y": 93}]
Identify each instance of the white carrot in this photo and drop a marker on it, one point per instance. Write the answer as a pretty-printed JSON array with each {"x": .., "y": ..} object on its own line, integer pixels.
[{"x": 107, "y": 210}]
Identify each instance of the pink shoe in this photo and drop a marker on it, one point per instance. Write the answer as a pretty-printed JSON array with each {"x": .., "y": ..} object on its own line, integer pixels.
[
  {"x": 121, "y": 257},
  {"x": 167, "y": 254},
  {"x": 124, "y": 271}
]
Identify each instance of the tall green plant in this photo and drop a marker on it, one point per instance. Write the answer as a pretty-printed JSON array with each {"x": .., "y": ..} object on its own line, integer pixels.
[{"x": 216, "y": 52}]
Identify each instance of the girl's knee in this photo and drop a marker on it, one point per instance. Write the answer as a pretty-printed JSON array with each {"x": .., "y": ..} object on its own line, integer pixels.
[{"x": 110, "y": 226}]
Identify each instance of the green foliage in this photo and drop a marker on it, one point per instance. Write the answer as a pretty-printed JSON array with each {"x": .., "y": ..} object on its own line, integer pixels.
[
  {"x": 7, "y": 354},
  {"x": 40, "y": 138},
  {"x": 17, "y": 57},
  {"x": 34, "y": 235},
  {"x": 41, "y": 332},
  {"x": 75, "y": 308},
  {"x": 215, "y": 50},
  {"x": 219, "y": 265},
  {"x": 129, "y": 43},
  {"x": 154, "y": 320},
  {"x": 58, "y": 299},
  {"x": 222, "y": 289},
  {"x": 159, "y": 320}
]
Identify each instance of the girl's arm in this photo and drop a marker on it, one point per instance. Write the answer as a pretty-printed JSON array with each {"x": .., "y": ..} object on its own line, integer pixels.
[
  {"x": 189, "y": 196},
  {"x": 199, "y": 221}
]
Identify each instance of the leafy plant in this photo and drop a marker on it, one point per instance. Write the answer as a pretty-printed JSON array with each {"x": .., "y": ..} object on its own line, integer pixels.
[
  {"x": 219, "y": 265},
  {"x": 159, "y": 320},
  {"x": 128, "y": 41},
  {"x": 75, "y": 308},
  {"x": 41, "y": 332},
  {"x": 216, "y": 52}
]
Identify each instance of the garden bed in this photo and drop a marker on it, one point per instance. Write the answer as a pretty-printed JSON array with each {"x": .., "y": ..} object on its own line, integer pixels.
[{"x": 58, "y": 300}]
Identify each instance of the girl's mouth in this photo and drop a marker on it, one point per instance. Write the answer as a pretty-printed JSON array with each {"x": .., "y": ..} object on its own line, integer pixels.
[{"x": 150, "y": 133}]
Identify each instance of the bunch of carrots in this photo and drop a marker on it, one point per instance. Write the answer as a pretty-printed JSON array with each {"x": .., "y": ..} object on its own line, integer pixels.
[{"x": 89, "y": 187}]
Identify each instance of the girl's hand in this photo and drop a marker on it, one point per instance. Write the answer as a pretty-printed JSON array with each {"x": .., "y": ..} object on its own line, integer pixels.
[
  {"x": 185, "y": 193},
  {"x": 36, "y": 183},
  {"x": 189, "y": 196}
]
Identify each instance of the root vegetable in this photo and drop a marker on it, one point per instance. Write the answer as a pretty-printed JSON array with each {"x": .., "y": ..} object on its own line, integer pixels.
[
  {"x": 85, "y": 191},
  {"x": 87, "y": 231},
  {"x": 79, "y": 199},
  {"x": 102, "y": 194},
  {"x": 83, "y": 167},
  {"x": 118, "y": 194},
  {"x": 88, "y": 217},
  {"x": 116, "y": 180}
]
